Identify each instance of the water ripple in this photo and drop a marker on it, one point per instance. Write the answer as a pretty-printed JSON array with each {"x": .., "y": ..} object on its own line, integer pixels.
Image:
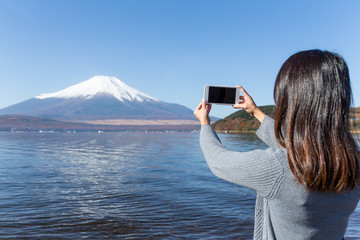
[{"x": 120, "y": 186}]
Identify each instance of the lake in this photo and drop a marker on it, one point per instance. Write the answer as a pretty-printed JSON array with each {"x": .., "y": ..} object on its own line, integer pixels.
[{"x": 122, "y": 185}]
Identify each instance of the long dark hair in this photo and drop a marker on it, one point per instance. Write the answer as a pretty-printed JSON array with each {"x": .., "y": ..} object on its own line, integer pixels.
[{"x": 313, "y": 97}]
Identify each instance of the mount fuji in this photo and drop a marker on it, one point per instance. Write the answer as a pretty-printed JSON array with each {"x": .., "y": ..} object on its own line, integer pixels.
[{"x": 99, "y": 98}]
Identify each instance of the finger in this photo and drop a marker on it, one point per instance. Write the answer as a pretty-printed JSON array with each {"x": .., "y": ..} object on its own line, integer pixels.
[
  {"x": 241, "y": 104},
  {"x": 244, "y": 92},
  {"x": 209, "y": 107},
  {"x": 203, "y": 102}
]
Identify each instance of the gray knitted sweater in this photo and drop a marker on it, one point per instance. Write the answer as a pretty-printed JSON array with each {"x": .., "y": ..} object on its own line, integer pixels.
[{"x": 284, "y": 209}]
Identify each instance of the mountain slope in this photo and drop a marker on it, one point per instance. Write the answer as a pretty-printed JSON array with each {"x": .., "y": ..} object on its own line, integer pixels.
[
  {"x": 100, "y": 97},
  {"x": 241, "y": 121}
]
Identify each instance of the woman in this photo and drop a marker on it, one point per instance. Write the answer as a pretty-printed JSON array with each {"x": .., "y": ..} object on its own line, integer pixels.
[{"x": 307, "y": 181}]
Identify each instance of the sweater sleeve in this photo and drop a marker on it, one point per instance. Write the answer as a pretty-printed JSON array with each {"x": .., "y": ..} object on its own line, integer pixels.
[
  {"x": 258, "y": 170},
  {"x": 267, "y": 134}
]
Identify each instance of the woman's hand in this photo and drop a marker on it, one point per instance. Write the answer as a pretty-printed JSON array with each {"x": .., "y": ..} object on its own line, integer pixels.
[
  {"x": 202, "y": 112},
  {"x": 248, "y": 104}
]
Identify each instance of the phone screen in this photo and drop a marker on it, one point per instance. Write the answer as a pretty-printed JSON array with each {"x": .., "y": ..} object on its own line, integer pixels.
[{"x": 222, "y": 95}]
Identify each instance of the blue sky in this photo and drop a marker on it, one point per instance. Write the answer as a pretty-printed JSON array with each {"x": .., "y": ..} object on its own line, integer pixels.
[{"x": 168, "y": 49}]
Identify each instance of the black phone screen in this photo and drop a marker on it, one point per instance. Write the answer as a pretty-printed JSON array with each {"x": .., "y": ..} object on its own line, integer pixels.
[{"x": 221, "y": 95}]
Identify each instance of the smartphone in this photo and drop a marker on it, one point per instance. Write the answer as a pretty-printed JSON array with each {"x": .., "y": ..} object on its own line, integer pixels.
[{"x": 221, "y": 95}]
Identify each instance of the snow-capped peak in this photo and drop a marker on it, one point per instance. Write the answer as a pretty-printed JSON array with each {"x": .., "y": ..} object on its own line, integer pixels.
[{"x": 100, "y": 85}]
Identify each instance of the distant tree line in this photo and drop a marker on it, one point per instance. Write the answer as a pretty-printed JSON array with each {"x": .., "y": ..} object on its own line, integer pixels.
[{"x": 241, "y": 121}]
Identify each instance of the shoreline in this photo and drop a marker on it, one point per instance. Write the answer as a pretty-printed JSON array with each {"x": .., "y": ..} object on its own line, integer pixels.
[
  {"x": 253, "y": 131},
  {"x": 236, "y": 131}
]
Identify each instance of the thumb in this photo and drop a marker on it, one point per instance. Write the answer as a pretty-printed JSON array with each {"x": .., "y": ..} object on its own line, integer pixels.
[
  {"x": 209, "y": 107},
  {"x": 203, "y": 103}
]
